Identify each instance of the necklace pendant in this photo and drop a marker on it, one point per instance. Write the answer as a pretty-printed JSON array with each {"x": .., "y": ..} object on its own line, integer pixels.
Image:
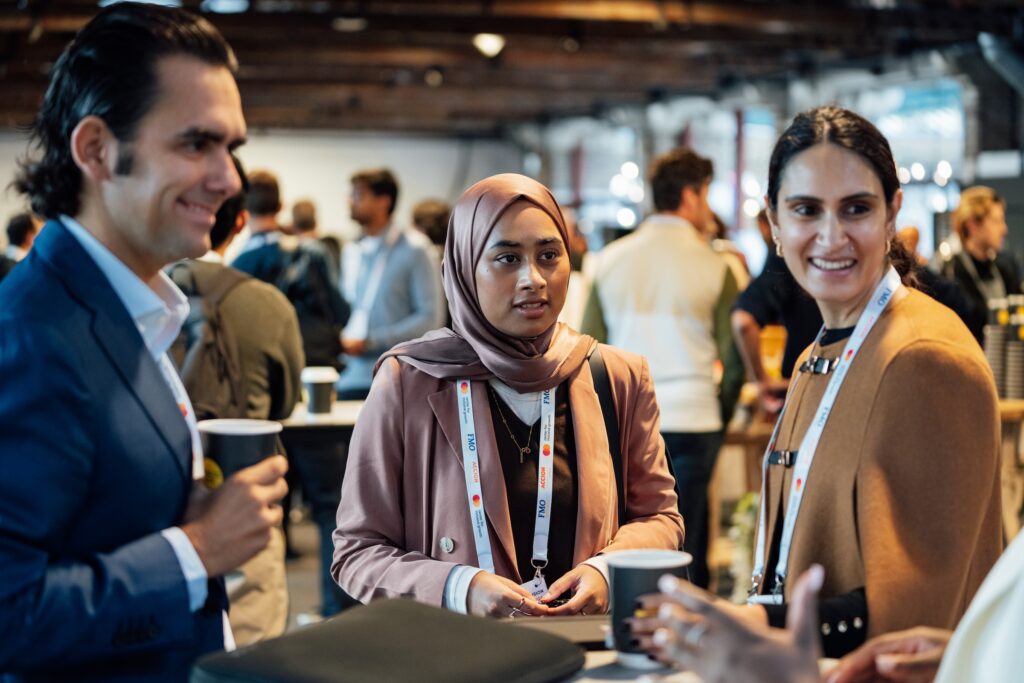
[{"x": 526, "y": 450}]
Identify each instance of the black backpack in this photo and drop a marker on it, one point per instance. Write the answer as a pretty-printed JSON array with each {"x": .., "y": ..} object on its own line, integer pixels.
[{"x": 205, "y": 352}]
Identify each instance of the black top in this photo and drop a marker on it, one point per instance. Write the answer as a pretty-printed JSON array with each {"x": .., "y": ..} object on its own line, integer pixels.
[
  {"x": 521, "y": 484},
  {"x": 843, "y": 618},
  {"x": 977, "y": 307},
  {"x": 774, "y": 297}
]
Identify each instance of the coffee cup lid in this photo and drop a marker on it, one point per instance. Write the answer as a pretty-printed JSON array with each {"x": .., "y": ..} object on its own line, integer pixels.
[
  {"x": 239, "y": 426},
  {"x": 648, "y": 559},
  {"x": 316, "y": 374}
]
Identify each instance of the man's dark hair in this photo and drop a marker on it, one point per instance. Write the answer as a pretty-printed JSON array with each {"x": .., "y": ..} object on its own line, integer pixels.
[
  {"x": 431, "y": 217},
  {"x": 19, "y": 228},
  {"x": 264, "y": 194},
  {"x": 227, "y": 215},
  {"x": 381, "y": 182},
  {"x": 109, "y": 70},
  {"x": 674, "y": 170},
  {"x": 304, "y": 215}
]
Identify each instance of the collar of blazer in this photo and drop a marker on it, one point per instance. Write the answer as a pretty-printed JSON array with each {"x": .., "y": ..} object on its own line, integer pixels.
[
  {"x": 597, "y": 512},
  {"x": 115, "y": 332}
]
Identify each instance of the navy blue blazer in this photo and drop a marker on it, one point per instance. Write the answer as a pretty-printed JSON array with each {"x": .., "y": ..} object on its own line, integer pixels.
[{"x": 94, "y": 462}]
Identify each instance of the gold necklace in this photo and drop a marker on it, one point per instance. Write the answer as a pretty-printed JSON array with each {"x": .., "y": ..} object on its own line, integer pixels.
[{"x": 523, "y": 450}]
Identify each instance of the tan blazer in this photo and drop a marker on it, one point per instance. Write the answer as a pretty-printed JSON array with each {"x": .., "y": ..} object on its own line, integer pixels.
[
  {"x": 404, "y": 487},
  {"x": 903, "y": 495}
]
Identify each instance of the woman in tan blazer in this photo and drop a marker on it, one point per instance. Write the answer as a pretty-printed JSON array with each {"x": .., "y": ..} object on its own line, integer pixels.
[
  {"x": 884, "y": 464},
  {"x": 510, "y": 385}
]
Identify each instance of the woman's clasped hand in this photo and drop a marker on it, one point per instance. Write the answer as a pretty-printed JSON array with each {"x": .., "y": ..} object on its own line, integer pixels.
[{"x": 582, "y": 591}]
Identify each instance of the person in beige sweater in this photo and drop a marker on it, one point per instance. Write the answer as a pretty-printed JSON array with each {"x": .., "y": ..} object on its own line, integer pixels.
[{"x": 884, "y": 465}]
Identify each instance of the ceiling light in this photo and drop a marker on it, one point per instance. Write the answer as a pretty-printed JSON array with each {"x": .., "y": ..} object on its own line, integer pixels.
[
  {"x": 433, "y": 78},
  {"x": 917, "y": 170},
  {"x": 904, "y": 174},
  {"x": 489, "y": 44},
  {"x": 164, "y": 3},
  {"x": 224, "y": 6},
  {"x": 626, "y": 217},
  {"x": 630, "y": 170},
  {"x": 349, "y": 24}
]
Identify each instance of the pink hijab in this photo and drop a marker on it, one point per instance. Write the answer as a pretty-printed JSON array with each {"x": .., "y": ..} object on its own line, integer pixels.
[{"x": 474, "y": 349}]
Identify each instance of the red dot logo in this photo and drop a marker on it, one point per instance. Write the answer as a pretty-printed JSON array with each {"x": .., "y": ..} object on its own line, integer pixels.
[
  {"x": 464, "y": 387},
  {"x": 476, "y": 501},
  {"x": 547, "y": 449},
  {"x": 799, "y": 484},
  {"x": 849, "y": 354}
]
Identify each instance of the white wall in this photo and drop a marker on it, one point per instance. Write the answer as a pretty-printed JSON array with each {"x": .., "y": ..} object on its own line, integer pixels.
[{"x": 318, "y": 165}]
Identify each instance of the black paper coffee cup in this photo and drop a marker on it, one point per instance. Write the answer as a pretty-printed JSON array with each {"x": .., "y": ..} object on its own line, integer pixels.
[
  {"x": 236, "y": 444},
  {"x": 319, "y": 384},
  {"x": 634, "y": 573}
]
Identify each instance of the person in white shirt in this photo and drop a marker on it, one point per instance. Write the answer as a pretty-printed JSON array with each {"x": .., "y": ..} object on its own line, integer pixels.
[{"x": 664, "y": 293}]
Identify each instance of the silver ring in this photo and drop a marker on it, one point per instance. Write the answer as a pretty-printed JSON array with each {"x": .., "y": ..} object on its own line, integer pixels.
[
  {"x": 582, "y": 613},
  {"x": 695, "y": 634}
]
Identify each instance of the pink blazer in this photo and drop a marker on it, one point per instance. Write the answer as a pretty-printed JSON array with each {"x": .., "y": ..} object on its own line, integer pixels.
[{"x": 405, "y": 490}]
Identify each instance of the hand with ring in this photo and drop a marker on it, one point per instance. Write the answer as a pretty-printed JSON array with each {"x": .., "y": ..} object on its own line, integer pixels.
[
  {"x": 491, "y": 595},
  {"x": 722, "y": 642}
]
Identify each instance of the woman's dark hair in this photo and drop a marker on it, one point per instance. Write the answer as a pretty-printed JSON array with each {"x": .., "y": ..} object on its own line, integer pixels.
[
  {"x": 843, "y": 128},
  {"x": 109, "y": 70}
]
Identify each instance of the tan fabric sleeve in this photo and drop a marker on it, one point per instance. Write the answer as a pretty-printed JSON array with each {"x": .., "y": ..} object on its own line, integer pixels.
[
  {"x": 370, "y": 560},
  {"x": 925, "y": 487}
]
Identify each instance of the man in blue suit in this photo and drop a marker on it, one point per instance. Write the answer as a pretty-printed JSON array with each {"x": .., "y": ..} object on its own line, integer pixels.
[{"x": 110, "y": 550}]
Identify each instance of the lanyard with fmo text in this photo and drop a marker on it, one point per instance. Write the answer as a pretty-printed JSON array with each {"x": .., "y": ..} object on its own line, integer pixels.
[
  {"x": 887, "y": 289},
  {"x": 474, "y": 491}
]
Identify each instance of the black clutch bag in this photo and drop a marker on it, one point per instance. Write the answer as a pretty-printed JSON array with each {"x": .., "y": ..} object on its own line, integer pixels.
[{"x": 398, "y": 641}]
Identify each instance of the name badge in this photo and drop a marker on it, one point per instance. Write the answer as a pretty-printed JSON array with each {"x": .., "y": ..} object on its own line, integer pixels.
[{"x": 537, "y": 586}]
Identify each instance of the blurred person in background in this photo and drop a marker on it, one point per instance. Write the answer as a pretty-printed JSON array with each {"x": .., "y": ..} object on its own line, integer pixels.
[
  {"x": 933, "y": 284},
  {"x": 981, "y": 271},
  {"x": 301, "y": 270},
  {"x": 22, "y": 229},
  {"x": 430, "y": 217},
  {"x": 260, "y": 325},
  {"x": 773, "y": 298},
  {"x": 391, "y": 277},
  {"x": 662, "y": 292}
]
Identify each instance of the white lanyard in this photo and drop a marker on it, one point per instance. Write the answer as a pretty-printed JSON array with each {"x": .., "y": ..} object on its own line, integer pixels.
[
  {"x": 358, "y": 325},
  {"x": 474, "y": 491},
  {"x": 885, "y": 292},
  {"x": 185, "y": 406}
]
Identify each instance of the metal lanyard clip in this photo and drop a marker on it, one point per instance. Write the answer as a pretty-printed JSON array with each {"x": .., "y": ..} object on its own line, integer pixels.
[{"x": 819, "y": 365}]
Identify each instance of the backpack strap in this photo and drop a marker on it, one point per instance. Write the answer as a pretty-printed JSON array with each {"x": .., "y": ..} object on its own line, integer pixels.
[
  {"x": 603, "y": 386},
  {"x": 220, "y": 284}
]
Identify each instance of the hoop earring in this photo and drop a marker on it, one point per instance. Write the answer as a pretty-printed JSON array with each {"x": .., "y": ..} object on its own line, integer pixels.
[
  {"x": 778, "y": 248},
  {"x": 888, "y": 247}
]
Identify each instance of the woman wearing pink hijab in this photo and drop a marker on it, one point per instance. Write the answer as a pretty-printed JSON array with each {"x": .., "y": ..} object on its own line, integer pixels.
[{"x": 479, "y": 476}]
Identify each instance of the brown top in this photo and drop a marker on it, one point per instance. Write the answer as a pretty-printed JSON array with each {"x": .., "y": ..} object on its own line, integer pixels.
[{"x": 903, "y": 496}]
